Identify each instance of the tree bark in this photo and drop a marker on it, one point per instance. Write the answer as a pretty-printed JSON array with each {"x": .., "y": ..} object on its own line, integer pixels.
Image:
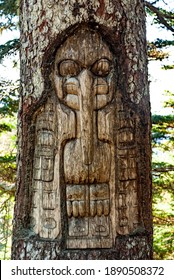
[{"x": 83, "y": 182}]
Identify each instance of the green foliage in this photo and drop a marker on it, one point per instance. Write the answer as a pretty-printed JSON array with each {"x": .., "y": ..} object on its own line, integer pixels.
[
  {"x": 9, "y": 8},
  {"x": 155, "y": 52},
  {"x": 164, "y": 218},
  {"x": 7, "y": 187},
  {"x": 8, "y": 12},
  {"x": 164, "y": 19},
  {"x": 161, "y": 16},
  {"x": 162, "y": 129},
  {"x": 8, "y": 154},
  {"x": 8, "y": 107},
  {"x": 6, "y": 210},
  {"x": 9, "y": 48},
  {"x": 160, "y": 43},
  {"x": 168, "y": 67},
  {"x": 163, "y": 182},
  {"x": 164, "y": 244},
  {"x": 163, "y": 145},
  {"x": 9, "y": 98},
  {"x": 8, "y": 168},
  {"x": 4, "y": 127},
  {"x": 163, "y": 211},
  {"x": 170, "y": 100},
  {"x": 9, "y": 21}
]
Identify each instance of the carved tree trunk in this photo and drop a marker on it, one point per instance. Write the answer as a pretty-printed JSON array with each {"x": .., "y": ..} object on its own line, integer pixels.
[{"x": 84, "y": 186}]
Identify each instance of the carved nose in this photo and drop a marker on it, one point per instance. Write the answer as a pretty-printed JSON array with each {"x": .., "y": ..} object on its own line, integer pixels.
[{"x": 86, "y": 116}]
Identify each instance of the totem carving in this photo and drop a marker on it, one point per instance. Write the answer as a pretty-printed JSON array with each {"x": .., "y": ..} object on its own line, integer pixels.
[{"x": 84, "y": 184}]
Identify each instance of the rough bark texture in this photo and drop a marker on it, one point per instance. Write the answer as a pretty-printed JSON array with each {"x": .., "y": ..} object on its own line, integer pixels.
[{"x": 84, "y": 186}]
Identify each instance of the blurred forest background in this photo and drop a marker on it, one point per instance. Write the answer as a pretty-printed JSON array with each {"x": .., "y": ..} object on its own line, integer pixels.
[{"x": 160, "y": 14}]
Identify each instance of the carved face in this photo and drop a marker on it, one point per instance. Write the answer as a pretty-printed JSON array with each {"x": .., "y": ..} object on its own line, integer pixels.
[
  {"x": 83, "y": 73},
  {"x": 84, "y": 81}
]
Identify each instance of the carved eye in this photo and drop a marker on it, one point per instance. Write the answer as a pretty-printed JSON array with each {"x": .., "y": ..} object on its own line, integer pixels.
[
  {"x": 101, "y": 67},
  {"x": 69, "y": 68}
]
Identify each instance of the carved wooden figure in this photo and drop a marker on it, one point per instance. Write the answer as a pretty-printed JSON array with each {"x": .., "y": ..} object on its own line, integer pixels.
[
  {"x": 77, "y": 154},
  {"x": 83, "y": 179}
]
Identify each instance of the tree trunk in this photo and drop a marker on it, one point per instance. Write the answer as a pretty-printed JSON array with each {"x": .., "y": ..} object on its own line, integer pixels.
[{"x": 83, "y": 182}]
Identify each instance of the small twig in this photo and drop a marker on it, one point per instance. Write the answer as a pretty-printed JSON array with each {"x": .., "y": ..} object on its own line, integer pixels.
[
  {"x": 161, "y": 16},
  {"x": 163, "y": 169}
]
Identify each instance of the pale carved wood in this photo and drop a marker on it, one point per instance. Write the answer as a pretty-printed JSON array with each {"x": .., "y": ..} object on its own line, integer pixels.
[{"x": 85, "y": 135}]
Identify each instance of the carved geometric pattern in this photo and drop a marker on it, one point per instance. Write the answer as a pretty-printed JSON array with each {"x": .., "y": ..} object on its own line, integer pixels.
[
  {"x": 87, "y": 200},
  {"x": 127, "y": 167}
]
